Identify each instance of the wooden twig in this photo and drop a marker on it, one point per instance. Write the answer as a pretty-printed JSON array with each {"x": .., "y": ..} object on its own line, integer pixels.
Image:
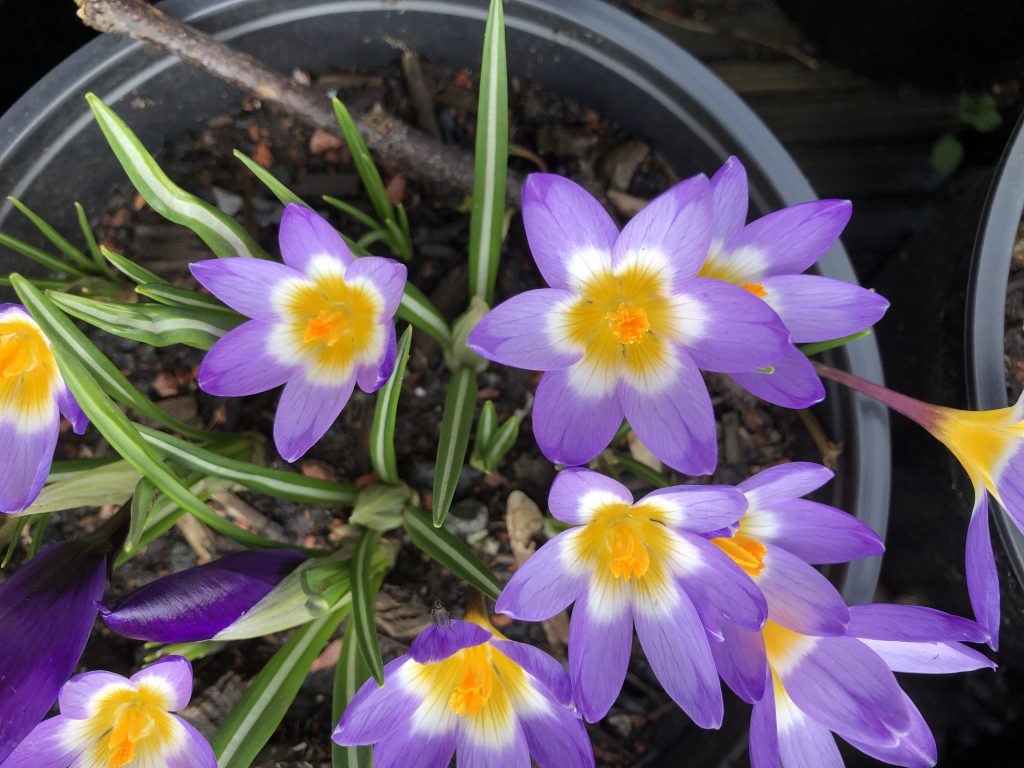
[{"x": 395, "y": 143}]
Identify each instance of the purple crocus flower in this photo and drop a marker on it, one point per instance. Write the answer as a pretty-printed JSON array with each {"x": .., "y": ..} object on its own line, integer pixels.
[
  {"x": 768, "y": 257},
  {"x": 815, "y": 686},
  {"x": 627, "y": 324},
  {"x": 199, "y": 603},
  {"x": 118, "y": 722},
  {"x": 643, "y": 563},
  {"x": 32, "y": 397},
  {"x": 321, "y": 323},
  {"x": 464, "y": 688},
  {"x": 47, "y": 609}
]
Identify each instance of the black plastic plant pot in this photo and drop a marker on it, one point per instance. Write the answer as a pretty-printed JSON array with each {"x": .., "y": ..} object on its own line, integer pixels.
[
  {"x": 986, "y": 304},
  {"x": 51, "y": 153}
]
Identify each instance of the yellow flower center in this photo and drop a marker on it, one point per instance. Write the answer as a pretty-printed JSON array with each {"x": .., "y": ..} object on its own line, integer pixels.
[
  {"x": 476, "y": 682},
  {"x": 28, "y": 371},
  {"x": 629, "y": 323},
  {"x": 746, "y": 552},
  {"x": 134, "y": 723},
  {"x": 626, "y": 542},
  {"x": 327, "y": 326},
  {"x": 628, "y": 557},
  {"x": 981, "y": 440},
  {"x": 129, "y": 725},
  {"x": 756, "y": 288}
]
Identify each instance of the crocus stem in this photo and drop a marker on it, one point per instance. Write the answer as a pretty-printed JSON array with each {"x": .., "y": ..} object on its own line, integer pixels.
[{"x": 915, "y": 410}]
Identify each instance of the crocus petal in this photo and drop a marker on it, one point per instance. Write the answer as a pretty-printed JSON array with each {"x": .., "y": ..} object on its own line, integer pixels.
[
  {"x": 792, "y": 382},
  {"x": 72, "y": 411},
  {"x": 729, "y": 199},
  {"x": 817, "y": 308},
  {"x": 571, "y": 429},
  {"x": 816, "y": 533},
  {"x": 195, "y": 751},
  {"x": 198, "y": 603},
  {"x": 576, "y": 492},
  {"x": 764, "y": 731},
  {"x": 376, "y": 712},
  {"x": 245, "y": 285},
  {"x": 522, "y": 332},
  {"x": 478, "y": 747},
  {"x": 803, "y": 743},
  {"x": 982, "y": 578},
  {"x": 49, "y": 606},
  {"x": 787, "y": 241},
  {"x": 728, "y": 329},
  {"x": 47, "y": 745},
  {"x": 305, "y": 413},
  {"x": 387, "y": 276},
  {"x": 78, "y": 693},
  {"x": 546, "y": 583},
  {"x": 557, "y": 739},
  {"x": 570, "y": 234},
  {"x": 929, "y": 657},
  {"x": 915, "y": 748},
  {"x": 719, "y": 588},
  {"x": 783, "y": 482},
  {"x": 305, "y": 236},
  {"x": 541, "y": 666},
  {"x": 846, "y": 687},
  {"x": 440, "y": 641},
  {"x": 172, "y": 675},
  {"x": 676, "y": 647},
  {"x": 1010, "y": 487},
  {"x": 800, "y": 597},
  {"x": 911, "y": 623},
  {"x": 26, "y": 457},
  {"x": 741, "y": 661},
  {"x": 242, "y": 363},
  {"x": 699, "y": 508},
  {"x": 676, "y": 423},
  {"x": 600, "y": 640},
  {"x": 432, "y": 750},
  {"x": 674, "y": 229},
  {"x": 372, "y": 377}
]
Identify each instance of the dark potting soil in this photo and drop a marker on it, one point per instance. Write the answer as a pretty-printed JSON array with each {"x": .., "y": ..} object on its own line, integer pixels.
[
  {"x": 1013, "y": 333},
  {"x": 555, "y": 135}
]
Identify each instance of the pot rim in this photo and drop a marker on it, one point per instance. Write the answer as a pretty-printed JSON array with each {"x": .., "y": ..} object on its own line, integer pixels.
[
  {"x": 989, "y": 277},
  {"x": 736, "y": 127}
]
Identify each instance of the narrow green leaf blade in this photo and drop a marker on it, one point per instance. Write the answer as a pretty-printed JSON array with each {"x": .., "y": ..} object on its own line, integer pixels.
[
  {"x": 416, "y": 309},
  {"x": 382, "y": 431},
  {"x": 142, "y": 505},
  {"x": 133, "y": 271},
  {"x": 252, "y": 722},
  {"x": 106, "y": 484},
  {"x": 364, "y": 598},
  {"x": 61, "y": 243},
  {"x": 444, "y": 548},
  {"x": 363, "y": 161},
  {"x": 39, "y": 256},
  {"x": 90, "y": 240},
  {"x": 491, "y": 159},
  {"x": 63, "y": 333},
  {"x": 349, "y": 676},
  {"x": 224, "y": 235},
  {"x": 501, "y": 443},
  {"x": 279, "y": 190},
  {"x": 823, "y": 346},
  {"x": 456, "y": 424},
  {"x": 290, "y": 486}
]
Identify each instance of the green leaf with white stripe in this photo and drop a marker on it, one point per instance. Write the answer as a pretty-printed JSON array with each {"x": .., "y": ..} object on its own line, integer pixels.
[
  {"x": 382, "y": 431},
  {"x": 142, "y": 506},
  {"x": 65, "y": 334},
  {"x": 224, "y": 235},
  {"x": 90, "y": 241},
  {"x": 349, "y": 676},
  {"x": 456, "y": 424},
  {"x": 289, "y": 486},
  {"x": 501, "y": 443},
  {"x": 182, "y": 297},
  {"x": 364, "y": 599},
  {"x": 416, "y": 309},
  {"x": 39, "y": 256},
  {"x": 441, "y": 546},
  {"x": 491, "y": 160},
  {"x": 253, "y": 720},
  {"x": 110, "y": 483},
  {"x": 133, "y": 271},
  {"x": 279, "y": 190},
  {"x": 159, "y": 325}
]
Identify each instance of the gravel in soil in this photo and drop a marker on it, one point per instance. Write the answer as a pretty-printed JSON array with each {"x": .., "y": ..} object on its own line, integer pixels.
[{"x": 555, "y": 135}]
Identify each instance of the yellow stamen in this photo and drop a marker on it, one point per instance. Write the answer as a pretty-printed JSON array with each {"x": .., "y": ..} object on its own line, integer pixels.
[
  {"x": 628, "y": 323},
  {"x": 19, "y": 353},
  {"x": 133, "y": 724},
  {"x": 476, "y": 682},
  {"x": 756, "y": 288},
  {"x": 629, "y": 557},
  {"x": 746, "y": 552},
  {"x": 328, "y": 326}
]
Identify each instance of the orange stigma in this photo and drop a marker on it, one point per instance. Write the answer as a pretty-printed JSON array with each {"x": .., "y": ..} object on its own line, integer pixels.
[
  {"x": 629, "y": 323},
  {"x": 327, "y": 326},
  {"x": 133, "y": 724},
  {"x": 756, "y": 288},
  {"x": 746, "y": 552},
  {"x": 629, "y": 557},
  {"x": 475, "y": 684}
]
